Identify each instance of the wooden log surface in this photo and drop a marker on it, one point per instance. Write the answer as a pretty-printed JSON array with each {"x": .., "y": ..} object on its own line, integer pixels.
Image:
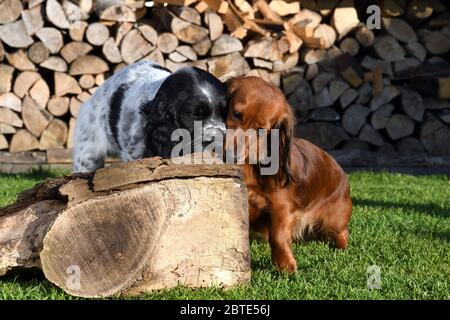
[{"x": 204, "y": 229}]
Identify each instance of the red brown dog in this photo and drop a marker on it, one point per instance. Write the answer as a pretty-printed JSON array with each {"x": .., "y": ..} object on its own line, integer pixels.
[{"x": 309, "y": 197}]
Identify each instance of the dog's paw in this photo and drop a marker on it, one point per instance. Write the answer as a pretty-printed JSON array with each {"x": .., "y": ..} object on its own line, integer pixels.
[{"x": 287, "y": 264}]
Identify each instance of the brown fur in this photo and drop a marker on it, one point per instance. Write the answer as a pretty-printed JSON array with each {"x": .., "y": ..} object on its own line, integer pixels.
[{"x": 309, "y": 198}]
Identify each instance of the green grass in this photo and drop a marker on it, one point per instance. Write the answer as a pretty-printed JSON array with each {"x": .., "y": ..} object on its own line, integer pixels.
[{"x": 400, "y": 223}]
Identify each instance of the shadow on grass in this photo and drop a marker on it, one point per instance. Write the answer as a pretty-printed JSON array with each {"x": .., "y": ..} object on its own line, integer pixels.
[
  {"x": 35, "y": 174},
  {"x": 429, "y": 209}
]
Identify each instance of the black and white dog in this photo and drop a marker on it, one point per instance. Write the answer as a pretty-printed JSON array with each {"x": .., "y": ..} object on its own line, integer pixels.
[{"x": 133, "y": 114}]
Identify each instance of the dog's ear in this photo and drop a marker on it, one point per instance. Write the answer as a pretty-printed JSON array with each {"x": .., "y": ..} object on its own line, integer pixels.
[{"x": 286, "y": 127}]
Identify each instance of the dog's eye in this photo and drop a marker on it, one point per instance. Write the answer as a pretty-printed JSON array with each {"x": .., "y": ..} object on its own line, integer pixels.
[{"x": 237, "y": 115}]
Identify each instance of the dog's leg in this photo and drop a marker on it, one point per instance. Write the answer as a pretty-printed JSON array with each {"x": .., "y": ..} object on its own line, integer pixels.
[
  {"x": 280, "y": 239},
  {"x": 341, "y": 240}
]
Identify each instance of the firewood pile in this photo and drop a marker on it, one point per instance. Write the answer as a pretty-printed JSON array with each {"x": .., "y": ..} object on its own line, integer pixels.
[{"x": 351, "y": 86}]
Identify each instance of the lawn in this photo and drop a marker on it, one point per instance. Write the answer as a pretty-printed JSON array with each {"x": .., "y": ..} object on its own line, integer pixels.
[{"x": 400, "y": 223}]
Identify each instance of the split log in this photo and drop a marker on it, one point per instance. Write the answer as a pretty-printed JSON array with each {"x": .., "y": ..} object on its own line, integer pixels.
[
  {"x": 436, "y": 42},
  {"x": 11, "y": 101},
  {"x": 230, "y": 65},
  {"x": 400, "y": 29},
  {"x": 24, "y": 81},
  {"x": 134, "y": 47},
  {"x": 7, "y": 129},
  {"x": 38, "y": 52},
  {"x": 73, "y": 50},
  {"x": 96, "y": 205},
  {"x": 55, "y": 14},
  {"x": 337, "y": 88},
  {"x": 75, "y": 106},
  {"x": 51, "y": 38},
  {"x": 33, "y": 20},
  {"x": 65, "y": 84},
  {"x": 156, "y": 56},
  {"x": 54, "y": 135},
  {"x": 288, "y": 62},
  {"x": 86, "y": 81},
  {"x": 10, "y": 117},
  {"x": 20, "y": 61},
  {"x": 226, "y": 44},
  {"x": 177, "y": 57},
  {"x": 354, "y": 118},
  {"x": 399, "y": 126},
  {"x": 15, "y": 35},
  {"x": 416, "y": 50},
  {"x": 304, "y": 23},
  {"x": 381, "y": 116},
  {"x": 58, "y": 106},
  {"x": 266, "y": 49},
  {"x": 2, "y": 52},
  {"x": 347, "y": 97},
  {"x": 6, "y": 75},
  {"x": 283, "y": 8},
  {"x": 70, "y": 134},
  {"x": 364, "y": 35},
  {"x": 34, "y": 118},
  {"x": 323, "y": 98},
  {"x": 324, "y": 31},
  {"x": 349, "y": 45},
  {"x": 111, "y": 51},
  {"x": 409, "y": 146},
  {"x": 432, "y": 134},
  {"x": 167, "y": 42},
  {"x": 388, "y": 48},
  {"x": 412, "y": 104},
  {"x": 149, "y": 33},
  {"x": 23, "y": 140},
  {"x": 187, "y": 13},
  {"x": 323, "y": 134},
  {"x": 10, "y": 10},
  {"x": 325, "y": 114},
  {"x": 386, "y": 96},
  {"x": 371, "y": 136},
  {"x": 188, "y": 52},
  {"x": 350, "y": 70},
  {"x": 88, "y": 65},
  {"x": 40, "y": 92},
  {"x": 263, "y": 7},
  {"x": 344, "y": 18},
  {"x": 54, "y": 63},
  {"x": 322, "y": 80},
  {"x": 3, "y": 142},
  {"x": 97, "y": 34},
  {"x": 202, "y": 47},
  {"x": 118, "y": 13},
  {"x": 84, "y": 96},
  {"x": 76, "y": 32},
  {"x": 215, "y": 25}
]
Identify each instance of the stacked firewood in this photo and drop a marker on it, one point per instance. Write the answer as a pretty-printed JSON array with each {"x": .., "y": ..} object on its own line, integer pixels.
[{"x": 350, "y": 86}]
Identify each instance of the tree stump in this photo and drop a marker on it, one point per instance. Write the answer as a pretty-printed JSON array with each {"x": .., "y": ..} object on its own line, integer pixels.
[{"x": 131, "y": 228}]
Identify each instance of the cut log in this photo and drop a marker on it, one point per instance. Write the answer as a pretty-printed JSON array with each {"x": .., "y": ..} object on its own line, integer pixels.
[
  {"x": 380, "y": 117},
  {"x": 10, "y": 10},
  {"x": 436, "y": 42},
  {"x": 6, "y": 75},
  {"x": 409, "y": 146},
  {"x": 325, "y": 114},
  {"x": 97, "y": 34},
  {"x": 55, "y": 14},
  {"x": 145, "y": 264},
  {"x": 293, "y": 41},
  {"x": 135, "y": 47},
  {"x": 388, "y": 48},
  {"x": 148, "y": 33},
  {"x": 20, "y": 61},
  {"x": 337, "y": 88},
  {"x": 118, "y": 13},
  {"x": 40, "y": 93},
  {"x": 416, "y": 50},
  {"x": 33, "y": 20},
  {"x": 344, "y": 18},
  {"x": 371, "y": 64},
  {"x": 283, "y": 8},
  {"x": 263, "y": 7},
  {"x": 167, "y": 42},
  {"x": 432, "y": 134},
  {"x": 392, "y": 8},
  {"x": 365, "y": 93},
  {"x": 266, "y": 49},
  {"x": 73, "y": 50},
  {"x": 230, "y": 65},
  {"x": 65, "y": 84},
  {"x": 322, "y": 79},
  {"x": 323, "y": 134},
  {"x": 226, "y": 44},
  {"x": 354, "y": 118},
  {"x": 156, "y": 56},
  {"x": 3, "y": 142},
  {"x": 288, "y": 62},
  {"x": 202, "y": 47},
  {"x": 58, "y": 106},
  {"x": 188, "y": 52},
  {"x": 55, "y": 63},
  {"x": 187, "y": 13},
  {"x": 75, "y": 106},
  {"x": 386, "y": 96},
  {"x": 23, "y": 140},
  {"x": 177, "y": 57},
  {"x": 400, "y": 29},
  {"x": 323, "y": 98},
  {"x": 88, "y": 65},
  {"x": 87, "y": 81},
  {"x": 111, "y": 51},
  {"x": 215, "y": 25},
  {"x": 371, "y": 136},
  {"x": 349, "y": 45},
  {"x": 304, "y": 23},
  {"x": 10, "y": 117},
  {"x": 399, "y": 126},
  {"x": 364, "y": 35},
  {"x": 347, "y": 97},
  {"x": 350, "y": 70},
  {"x": 84, "y": 96},
  {"x": 51, "y": 38},
  {"x": 412, "y": 104},
  {"x": 11, "y": 101},
  {"x": 38, "y": 52},
  {"x": 34, "y": 118},
  {"x": 15, "y": 35},
  {"x": 324, "y": 31},
  {"x": 24, "y": 81},
  {"x": 78, "y": 30},
  {"x": 72, "y": 125},
  {"x": 7, "y": 128},
  {"x": 54, "y": 135}
]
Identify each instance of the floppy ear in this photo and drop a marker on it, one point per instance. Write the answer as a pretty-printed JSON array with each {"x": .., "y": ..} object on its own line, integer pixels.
[{"x": 286, "y": 127}]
